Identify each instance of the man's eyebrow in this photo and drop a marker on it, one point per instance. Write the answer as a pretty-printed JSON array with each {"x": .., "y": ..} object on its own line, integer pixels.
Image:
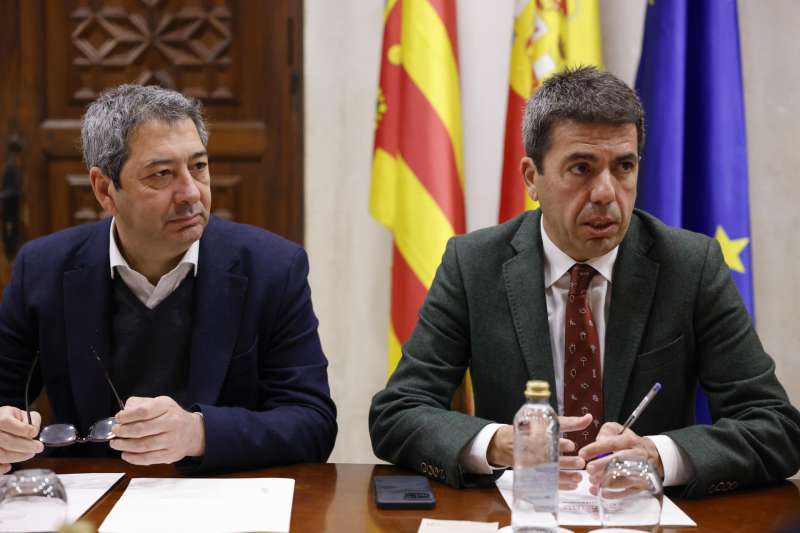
[
  {"x": 155, "y": 162},
  {"x": 630, "y": 156},
  {"x": 168, "y": 161}
]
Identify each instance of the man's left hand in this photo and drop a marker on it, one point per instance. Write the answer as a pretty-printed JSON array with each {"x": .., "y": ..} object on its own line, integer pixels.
[
  {"x": 610, "y": 441},
  {"x": 157, "y": 430}
]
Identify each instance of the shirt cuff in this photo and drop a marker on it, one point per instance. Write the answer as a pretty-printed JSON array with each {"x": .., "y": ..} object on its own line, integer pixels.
[
  {"x": 678, "y": 469},
  {"x": 473, "y": 457}
]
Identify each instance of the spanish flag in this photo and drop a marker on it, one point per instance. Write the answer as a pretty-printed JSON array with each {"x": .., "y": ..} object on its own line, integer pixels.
[
  {"x": 548, "y": 36},
  {"x": 417, "y": 170}
]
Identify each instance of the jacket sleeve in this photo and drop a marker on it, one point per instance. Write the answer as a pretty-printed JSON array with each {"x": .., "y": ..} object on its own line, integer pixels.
[
  {"x": 755, "y": 435},
  {"x": 17, "y": 341},
  {"x": 296, "y": 418},
  {"x": 410, "y": 421}
]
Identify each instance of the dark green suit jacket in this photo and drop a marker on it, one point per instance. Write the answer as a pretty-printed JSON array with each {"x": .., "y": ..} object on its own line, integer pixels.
[{"x": 676, "y": 317}]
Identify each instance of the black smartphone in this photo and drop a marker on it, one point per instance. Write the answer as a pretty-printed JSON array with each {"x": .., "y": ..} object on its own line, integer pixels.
[{"x": 403, "y": 492}]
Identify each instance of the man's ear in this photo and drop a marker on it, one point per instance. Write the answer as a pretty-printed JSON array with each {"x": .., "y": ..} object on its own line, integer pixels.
[
  {"x": 530, "y": 175},
  {"x": 103, "y": 189}
]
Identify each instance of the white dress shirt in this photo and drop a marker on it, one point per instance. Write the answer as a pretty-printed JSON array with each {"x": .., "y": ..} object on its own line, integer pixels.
[
  {"x": 677, "y": 469},
  {"x": 139, "y": 285}
]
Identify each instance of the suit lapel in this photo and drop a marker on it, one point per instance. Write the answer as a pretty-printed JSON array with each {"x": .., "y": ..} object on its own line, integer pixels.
[
  {"x": 632, "y": 290},
  {"x": 219, "y": 301},
  {"x": 524, "y": 281},
  {"x": 86, "y": 320}
]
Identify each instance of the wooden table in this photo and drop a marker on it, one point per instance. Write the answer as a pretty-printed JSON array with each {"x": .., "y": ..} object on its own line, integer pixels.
[{"x": 339, "y": 498}]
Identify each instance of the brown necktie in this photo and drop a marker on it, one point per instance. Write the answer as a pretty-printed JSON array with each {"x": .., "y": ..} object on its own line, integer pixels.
[{"x": 583, "y": 382}]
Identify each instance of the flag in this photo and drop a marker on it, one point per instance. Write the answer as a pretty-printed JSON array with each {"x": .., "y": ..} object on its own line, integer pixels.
[
  {"x": 548, "y": 36},
  {"x": 694, "y": 167},
  {"x": 417, "y": 170}
]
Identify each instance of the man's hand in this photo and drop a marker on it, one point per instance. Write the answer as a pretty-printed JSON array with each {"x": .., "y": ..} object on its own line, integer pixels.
[
  {"x": 157, "y": 430},
  {"x": 569, "y": 480},
  {"x": 17, "y": 442},
  {"x": 501, "y": 449},
  {"x": 610, "y": 441}
]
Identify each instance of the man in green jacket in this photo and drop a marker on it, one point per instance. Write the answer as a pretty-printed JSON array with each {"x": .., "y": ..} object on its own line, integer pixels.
[{"x": 601, "y": 300}]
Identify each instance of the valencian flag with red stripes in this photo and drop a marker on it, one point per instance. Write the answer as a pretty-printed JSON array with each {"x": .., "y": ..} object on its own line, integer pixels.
[
  {"x": 418, "y": 173},
  {"x": 548, "y": 36}
]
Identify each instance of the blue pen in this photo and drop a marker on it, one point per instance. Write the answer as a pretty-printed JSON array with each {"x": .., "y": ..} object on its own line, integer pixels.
[
  {"x": 639, "y": 408},
  {"x": 636, "y": 412}
]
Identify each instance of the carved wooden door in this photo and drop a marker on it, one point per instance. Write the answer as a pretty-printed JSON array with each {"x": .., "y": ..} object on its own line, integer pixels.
[{"x": 242, "y": 58}]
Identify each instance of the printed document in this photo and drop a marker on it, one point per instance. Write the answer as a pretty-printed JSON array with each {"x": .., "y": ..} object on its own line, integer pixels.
[{"x": 579, "y": 507}]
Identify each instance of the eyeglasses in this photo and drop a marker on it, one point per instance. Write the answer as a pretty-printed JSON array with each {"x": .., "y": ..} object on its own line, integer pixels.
[{"x": 57, "y": 435}]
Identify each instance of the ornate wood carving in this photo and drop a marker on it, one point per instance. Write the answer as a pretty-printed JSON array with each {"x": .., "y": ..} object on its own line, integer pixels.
[{"x": 154, "y": 42}]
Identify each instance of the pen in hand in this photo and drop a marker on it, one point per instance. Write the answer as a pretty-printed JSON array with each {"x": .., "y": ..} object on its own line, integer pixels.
[
  {"x": 636, "y": 413},
  {"x": 639, "y": 408}
]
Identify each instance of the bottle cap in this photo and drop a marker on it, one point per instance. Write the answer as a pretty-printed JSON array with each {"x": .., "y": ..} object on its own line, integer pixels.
[{"x": 537, "y": 390}]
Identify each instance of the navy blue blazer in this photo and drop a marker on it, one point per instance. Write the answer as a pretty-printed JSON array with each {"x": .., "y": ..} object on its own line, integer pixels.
[{"x": 257, "y": 370}]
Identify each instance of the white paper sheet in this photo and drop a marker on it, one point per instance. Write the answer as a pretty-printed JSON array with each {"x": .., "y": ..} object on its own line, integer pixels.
[
  {"x": 155, "y": 505},
  {"x": 83, "y": 490},
  {"x": 429, "y": 525},
  {"x": 579, "y": 508}
]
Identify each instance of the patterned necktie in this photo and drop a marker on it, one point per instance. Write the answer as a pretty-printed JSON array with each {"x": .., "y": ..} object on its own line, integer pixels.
[{"x": 583, "y": 382}]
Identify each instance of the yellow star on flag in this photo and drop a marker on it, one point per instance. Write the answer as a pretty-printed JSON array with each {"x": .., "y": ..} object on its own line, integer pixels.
[{"x": 731, "y": 248}]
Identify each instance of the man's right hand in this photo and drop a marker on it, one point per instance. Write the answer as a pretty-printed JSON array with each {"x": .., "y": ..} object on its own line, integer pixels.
[
  {"x": 17, "y": 442},
  {"x": 501, "y": 449}
]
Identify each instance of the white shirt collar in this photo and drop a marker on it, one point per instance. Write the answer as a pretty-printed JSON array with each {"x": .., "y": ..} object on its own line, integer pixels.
[
  {"x": 116, "y": 259},
  {"x": 557, "y": 263}
]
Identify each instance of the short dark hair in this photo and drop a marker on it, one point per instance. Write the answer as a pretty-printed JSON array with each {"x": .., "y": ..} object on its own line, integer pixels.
[
  {"x": 110, "y": 121},
  {"x": 582, "y": 94}
]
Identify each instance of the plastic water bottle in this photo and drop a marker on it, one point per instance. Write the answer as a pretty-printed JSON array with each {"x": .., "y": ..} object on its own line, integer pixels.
[{"x": 536, "y": 434}]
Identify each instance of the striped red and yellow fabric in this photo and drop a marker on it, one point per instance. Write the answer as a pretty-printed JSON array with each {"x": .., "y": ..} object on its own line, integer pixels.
[
  {"x": 417, "y": 173},
  {"x": 548, "y": 36}
]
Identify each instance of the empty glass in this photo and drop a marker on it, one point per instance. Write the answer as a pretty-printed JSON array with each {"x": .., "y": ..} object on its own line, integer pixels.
[
  {"x": 630, "y": 495},
  {"x": 57, "y": 435},
  {"x": 32, "y": 500}
]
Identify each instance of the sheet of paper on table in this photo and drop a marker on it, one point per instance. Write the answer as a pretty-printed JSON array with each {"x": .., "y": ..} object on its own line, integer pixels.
[
  {"x": 83, "y": 490},
  {"x": 579, "y": 508},
  {"x": 154, "y": 505},
  {"x": 429, "y": 525}
]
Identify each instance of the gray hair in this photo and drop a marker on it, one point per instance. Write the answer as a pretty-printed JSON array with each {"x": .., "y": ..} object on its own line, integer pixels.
[
  {"x": 583, "y": 94},
  {"x": 110, "y": 121}
]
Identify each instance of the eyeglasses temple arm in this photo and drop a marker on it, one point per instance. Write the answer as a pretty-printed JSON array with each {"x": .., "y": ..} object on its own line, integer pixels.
[
  {"x": 28, "y": 386},
  {"x": 108, "y": 380}
]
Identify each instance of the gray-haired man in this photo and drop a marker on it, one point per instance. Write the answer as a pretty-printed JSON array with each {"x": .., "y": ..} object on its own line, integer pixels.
[
  {"x": 602, "y": 301},
  {"x": 206, "y": 326}
]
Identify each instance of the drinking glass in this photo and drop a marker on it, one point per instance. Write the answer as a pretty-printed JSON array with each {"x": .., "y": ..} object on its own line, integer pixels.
[
  {"x": 630, "y": 495},
  {"x": 32, "y": 500}
]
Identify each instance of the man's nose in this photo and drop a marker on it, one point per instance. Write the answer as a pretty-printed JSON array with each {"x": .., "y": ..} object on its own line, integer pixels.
[
  {"x": 186, "y": 189},
  {"x": 603, "y": 188}
]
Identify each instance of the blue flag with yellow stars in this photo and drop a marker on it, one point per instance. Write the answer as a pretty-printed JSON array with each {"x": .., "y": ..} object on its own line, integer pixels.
[{"x": 693, "y": 172}]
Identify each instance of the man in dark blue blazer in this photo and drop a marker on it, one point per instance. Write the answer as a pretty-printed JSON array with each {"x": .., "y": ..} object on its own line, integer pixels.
[{"x": 205, "y": 326}]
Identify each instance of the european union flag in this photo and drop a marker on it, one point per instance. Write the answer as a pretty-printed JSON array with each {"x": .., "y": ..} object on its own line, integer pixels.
[{"x": 694, "y": 170}]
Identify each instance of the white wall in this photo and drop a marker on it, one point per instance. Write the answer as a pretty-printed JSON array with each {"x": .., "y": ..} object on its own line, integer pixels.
[{"x": 350, "y": 252}]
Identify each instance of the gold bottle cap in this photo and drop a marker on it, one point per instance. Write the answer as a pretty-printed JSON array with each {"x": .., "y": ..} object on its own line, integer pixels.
[{"x": 537, "y": 390}]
